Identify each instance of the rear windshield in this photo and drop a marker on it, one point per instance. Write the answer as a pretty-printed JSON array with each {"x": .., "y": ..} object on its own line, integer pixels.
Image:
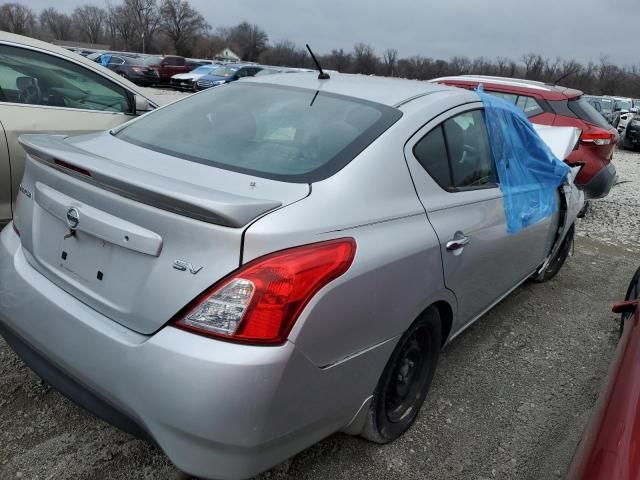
[
  {"x": 153, "y": 60},
  {"x": 283, "y": 133},
  {"x": 587, "y": 112}
]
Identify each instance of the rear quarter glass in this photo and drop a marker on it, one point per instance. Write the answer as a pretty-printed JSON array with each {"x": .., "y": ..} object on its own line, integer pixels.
[{"x": 281, "y": 133}]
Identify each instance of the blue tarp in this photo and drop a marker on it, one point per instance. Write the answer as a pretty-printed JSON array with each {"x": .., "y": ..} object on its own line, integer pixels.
[
  {"x": 529, "y": 174},
  {"x": 105, "y": 58}
]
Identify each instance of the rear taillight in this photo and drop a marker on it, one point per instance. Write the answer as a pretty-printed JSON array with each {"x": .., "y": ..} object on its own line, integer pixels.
[
  {"x": 260, "y": 302},
  {"x": 597, "y": 137}
]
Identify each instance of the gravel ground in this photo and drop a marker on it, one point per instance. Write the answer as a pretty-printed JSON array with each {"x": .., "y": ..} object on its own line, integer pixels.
[{"x": 509, "y": 401}]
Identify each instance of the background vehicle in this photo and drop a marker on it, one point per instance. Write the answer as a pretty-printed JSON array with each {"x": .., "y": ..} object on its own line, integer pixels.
[
  {"x": 625, "y": 107},
  {"x": 167, "y": 66},
  {"x": 559, "y": 106},
  {"x": 226, "y": 74},
  {"x": 44, "y": 88},
  {"x": 186, "y": 81},
  {"x": 610, "y": 444},
  {"x": 133, "y": 69},
  {"x": 238, "y": 300},
  {"x": 630, "y": 137},
  {"x": 605, "y": 107}
]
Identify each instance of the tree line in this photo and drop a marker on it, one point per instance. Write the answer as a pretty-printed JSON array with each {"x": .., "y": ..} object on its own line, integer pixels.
[{"x": 175, "y": 26}]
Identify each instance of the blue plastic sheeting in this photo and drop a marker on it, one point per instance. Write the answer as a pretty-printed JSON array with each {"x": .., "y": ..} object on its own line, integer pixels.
[
  {"x": 105, "y": 58},
  {"x": 529, "y": 174}
]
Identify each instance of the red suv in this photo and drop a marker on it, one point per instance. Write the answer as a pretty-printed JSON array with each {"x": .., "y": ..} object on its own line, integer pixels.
[
  {"x": 546, "y": 104},
  {"x": 167, "y": 66}
]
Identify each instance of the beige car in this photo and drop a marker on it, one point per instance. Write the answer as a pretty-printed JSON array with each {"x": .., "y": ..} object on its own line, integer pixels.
[{"x": 45, "y": 88}]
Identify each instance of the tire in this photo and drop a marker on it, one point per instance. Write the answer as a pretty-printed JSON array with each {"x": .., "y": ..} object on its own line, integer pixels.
[
  {"x": 405, "y": 380},
  {"x": 558, "y": 261}
]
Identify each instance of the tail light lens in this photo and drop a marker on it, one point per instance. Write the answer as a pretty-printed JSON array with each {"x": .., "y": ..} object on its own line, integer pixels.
[
  {"x": 259, "y": 303},
  {"x": 598, "y": 137}
]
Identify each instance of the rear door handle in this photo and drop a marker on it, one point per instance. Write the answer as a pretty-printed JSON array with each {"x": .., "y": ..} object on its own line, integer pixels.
[{"x": 459, "y": 241}]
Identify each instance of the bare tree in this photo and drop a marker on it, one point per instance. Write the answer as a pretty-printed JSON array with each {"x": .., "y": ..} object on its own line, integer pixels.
[
  {"x": 284, "y": 53},
  {"x": 146, "y": 19},
  {"x": 89, "y": 20},
  {"x": 58, "y": 24},
  {"x": 182, "y": 23},
  {"x": 338, "y": 60},
  {"x": 17, "y": 18},
  {"x": 390, "y": 60},
  {"x": 364, "y": 59},
  {"x": 248, "y": 40}
]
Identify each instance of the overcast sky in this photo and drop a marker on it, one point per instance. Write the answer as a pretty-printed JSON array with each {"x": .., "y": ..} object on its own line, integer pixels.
[{"x": 580, "y": 29}]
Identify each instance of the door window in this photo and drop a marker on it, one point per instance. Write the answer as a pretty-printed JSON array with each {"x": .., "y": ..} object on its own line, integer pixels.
[
  {"x": 37, "y": 78},
  {"x": 529, "y": 106},
  {"x": 457, "y": 154}
]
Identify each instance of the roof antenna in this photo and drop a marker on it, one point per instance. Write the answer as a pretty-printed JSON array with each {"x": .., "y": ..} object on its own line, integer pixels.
[{"x": 322, "y": 76}]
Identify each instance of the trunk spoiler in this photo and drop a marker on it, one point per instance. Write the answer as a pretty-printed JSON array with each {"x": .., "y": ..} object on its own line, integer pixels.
[{"x": 170, "y": 194}]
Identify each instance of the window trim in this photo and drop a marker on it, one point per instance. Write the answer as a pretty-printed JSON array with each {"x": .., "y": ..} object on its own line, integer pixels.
[
  {"x": 130, "y": 93},
  {"x": 440, "y": 124}
]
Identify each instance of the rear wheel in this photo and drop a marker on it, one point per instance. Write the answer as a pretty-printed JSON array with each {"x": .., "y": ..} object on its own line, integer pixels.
[
  {"x": 405, "y": 381},
  {"x": 558, "y": 260}
]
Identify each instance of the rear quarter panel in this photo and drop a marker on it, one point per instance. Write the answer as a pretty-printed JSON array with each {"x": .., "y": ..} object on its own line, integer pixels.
[{"x": 397, "y": 271}]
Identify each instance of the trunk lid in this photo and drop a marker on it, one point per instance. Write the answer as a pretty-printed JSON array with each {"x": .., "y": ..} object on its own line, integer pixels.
[{"x": 132, "y": 233}]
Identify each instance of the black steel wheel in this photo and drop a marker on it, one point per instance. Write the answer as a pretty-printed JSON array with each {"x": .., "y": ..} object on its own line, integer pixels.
[{"x": 405, "y": 381}]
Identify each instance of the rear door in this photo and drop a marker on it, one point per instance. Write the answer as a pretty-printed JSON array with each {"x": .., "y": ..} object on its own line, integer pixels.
[
  {"x": 455, "y": 177},
  {"x": 42, "y": 93}
]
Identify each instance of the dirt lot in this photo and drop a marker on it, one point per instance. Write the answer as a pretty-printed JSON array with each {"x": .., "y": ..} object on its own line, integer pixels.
[{"x": 510, "y": 398}]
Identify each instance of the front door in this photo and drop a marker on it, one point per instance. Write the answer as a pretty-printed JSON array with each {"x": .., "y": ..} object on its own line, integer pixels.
[
  {"x": 43, "y": 93},
  {"x": 451, "y": 162}
]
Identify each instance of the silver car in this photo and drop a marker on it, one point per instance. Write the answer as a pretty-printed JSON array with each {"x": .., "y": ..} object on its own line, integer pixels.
[{"x": 244, "y": 272}]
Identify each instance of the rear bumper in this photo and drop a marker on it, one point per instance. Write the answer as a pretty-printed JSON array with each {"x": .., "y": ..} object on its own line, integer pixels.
[
  {"x": 217, "y": 409},
  {"x": 600, "y": 184}
]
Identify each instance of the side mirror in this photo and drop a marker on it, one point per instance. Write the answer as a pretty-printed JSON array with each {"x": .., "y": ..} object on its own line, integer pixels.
[{"x": 142, "y": 105}]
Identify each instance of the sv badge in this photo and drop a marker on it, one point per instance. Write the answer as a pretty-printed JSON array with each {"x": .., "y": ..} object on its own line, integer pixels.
[{"x": 186, "y": 266}]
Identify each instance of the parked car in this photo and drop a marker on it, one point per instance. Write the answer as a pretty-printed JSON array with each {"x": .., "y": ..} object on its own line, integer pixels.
[
  {"x": 44, "y": 88},
  {"x": 226, "y": 74},
  {"x": 624, "y": 106},
  {"x": 605, "y": 107},
  {"x": 187, "y": 81},
  {"x": 243, "y": 272},
  {"x": 133, "y": 69},
  {"x": 554, "y": 105},
  {"x": 167, "y": 66},
  {"x": 610, "y": 444},
  {"x": 630, "y": 137}
]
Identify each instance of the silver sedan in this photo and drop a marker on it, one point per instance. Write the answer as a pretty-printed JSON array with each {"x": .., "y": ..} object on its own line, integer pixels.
[{"x": 239, "y": 274}]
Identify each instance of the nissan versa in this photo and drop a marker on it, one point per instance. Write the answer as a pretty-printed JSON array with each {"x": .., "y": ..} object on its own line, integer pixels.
[{"x": 244, "y": 272}]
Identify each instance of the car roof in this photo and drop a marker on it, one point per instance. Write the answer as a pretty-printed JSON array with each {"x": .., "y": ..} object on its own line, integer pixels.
[
  {"x": 384, "y": 90},
  {"x": 545, "y": 90}
]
